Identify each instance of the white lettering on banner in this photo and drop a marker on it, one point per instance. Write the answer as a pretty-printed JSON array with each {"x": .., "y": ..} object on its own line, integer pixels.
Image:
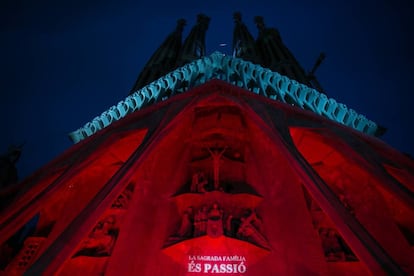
[{"x": 217, "y": 264}]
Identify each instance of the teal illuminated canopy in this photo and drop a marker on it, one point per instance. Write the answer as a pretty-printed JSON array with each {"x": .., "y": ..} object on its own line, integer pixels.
[{"x": 236, "y": 71}]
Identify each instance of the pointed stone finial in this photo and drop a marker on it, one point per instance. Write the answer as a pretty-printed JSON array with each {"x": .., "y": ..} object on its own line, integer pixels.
[
  {"x": 243, "y": 42},
  {"x": 180, "y": 25},
  {"x": 194, "y": 45},
  {"x": 275, "y": 55},
  {"x": 203, "y": 20},
  {"x": 14, "y": 152},
  {"x": 259, "y": 21},
  {"x": 8, "y": 173},
  {"x": 237, "y": 17},
  {"x": 163, "y": 60}
]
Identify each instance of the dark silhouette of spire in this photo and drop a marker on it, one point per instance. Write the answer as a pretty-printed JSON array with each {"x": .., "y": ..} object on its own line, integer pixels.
[
  {"x": 311, "y": 75},
  {"x": 8, "y": 174},
  {"x": 277, "y": 57},
  {"x": 194, "y": 46},
  {"x": 268, "y": 50},
  {"x": 244, "y": 45},
  {"x": 163, "y": 60}
]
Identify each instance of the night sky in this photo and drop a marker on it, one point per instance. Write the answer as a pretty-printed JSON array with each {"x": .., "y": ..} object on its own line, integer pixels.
[{"x": 65, "y": 62}]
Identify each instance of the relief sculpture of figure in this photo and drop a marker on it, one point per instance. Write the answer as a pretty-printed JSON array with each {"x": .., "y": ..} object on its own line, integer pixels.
[
  {"x": 124, "y": 198},
  {"x": 229, "y": 227},
  {"x": 249, "y": 231},
  {"x": 200, "y": 222},
  {"x": 101, "y": 240},
  {"x": 202, "y": 182},
  {"x": 331, "y": 245},
  {"x": 186, "y": 227},
  {"x": 198, "y": 183},
  {"x": 216, "y": 154},
  {"x": 215, "y": 221},
  {"x": 194, "y": 183},
  {"x": 345, "y": 201},
  {"x": 342, "y": 182}
]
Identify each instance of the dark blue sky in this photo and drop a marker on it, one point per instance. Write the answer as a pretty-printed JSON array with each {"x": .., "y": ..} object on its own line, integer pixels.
[{"x": 65, "y": 62}]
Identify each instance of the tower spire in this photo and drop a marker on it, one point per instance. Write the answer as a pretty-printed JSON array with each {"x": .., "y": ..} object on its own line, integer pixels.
[
  {"x": 311, "y": 75},
  {"x": 8, "y": 174},
  {"x": 194, "y": 46},
  {"x": 244, "y": 45},
  {"x": 163, "y": 60},
  {"x": 276, "y": 56}
]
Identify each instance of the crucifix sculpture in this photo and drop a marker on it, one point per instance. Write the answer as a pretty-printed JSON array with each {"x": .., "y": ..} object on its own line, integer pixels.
[{"x": 216, "y": 154}]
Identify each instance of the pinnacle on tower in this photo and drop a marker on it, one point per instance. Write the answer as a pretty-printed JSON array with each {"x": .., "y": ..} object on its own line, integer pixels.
[
  {"x": 244, "y": 45},
  {"x": 8, "y": 175},
  {"x": 194, "y": 46},
  {"x": 311, "y": 75},
  {"x": 163, "y": 60},
  {"x": 276, "y": 56}
]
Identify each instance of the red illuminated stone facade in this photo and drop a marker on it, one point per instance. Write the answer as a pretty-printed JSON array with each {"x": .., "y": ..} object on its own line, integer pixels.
[{"x": 216, "y": 180}]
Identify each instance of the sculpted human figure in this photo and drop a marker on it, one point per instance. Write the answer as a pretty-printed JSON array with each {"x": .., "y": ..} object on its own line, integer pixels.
[
  {"x": 248, "y": 230},
  {"x": 198, "y": 183},
  {"x": 124, "y": 198},
  {"x": 200, "y": 221},
  {"x": 194, "y": 183},
  {"x": 202, "y": 181},
  {"x": 215, "y": 221},
  {"x": 342, "y": 183},
  {"x": 229, "y": 228},
  {"x": 101, "y": 239},
  {"x": 186, "y": 227},
  {"x": 331, "y": 244},
  {"x": 255, "y": 220},
  {"x": 216, "y": 154}
]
